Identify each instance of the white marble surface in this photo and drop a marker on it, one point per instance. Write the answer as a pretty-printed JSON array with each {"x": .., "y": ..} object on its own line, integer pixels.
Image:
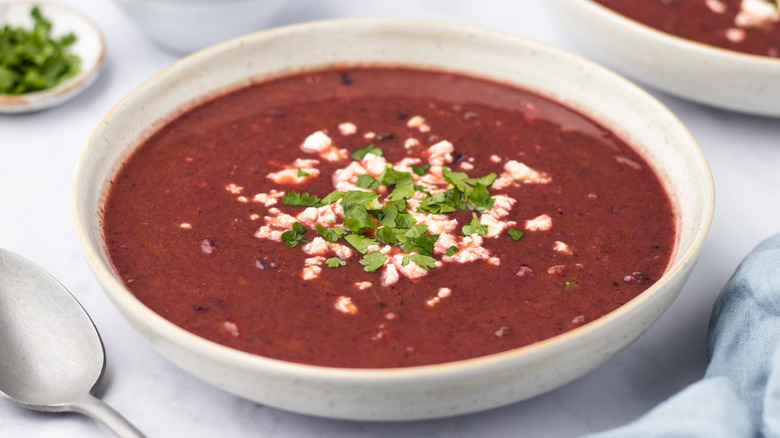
[{"x": 37, "y": 156}]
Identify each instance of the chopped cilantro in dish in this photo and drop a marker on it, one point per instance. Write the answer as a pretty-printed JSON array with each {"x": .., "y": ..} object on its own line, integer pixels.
[
  {"x": 369, "y": 220},
  {"x": 32, "y": 60}
]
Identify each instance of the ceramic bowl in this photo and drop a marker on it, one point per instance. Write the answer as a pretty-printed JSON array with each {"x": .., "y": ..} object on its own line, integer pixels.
[
  {"x": 701, "y": 73},
  {"x": 89, "y": 46},
  {"x": 184, "y": 26},
  {"x": 415, "y": 392}
]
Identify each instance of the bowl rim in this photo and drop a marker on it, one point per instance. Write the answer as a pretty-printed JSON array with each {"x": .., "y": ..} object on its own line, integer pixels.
[
  {"x": 685, "y": 43},
  {"x": 120, "y": 294}
]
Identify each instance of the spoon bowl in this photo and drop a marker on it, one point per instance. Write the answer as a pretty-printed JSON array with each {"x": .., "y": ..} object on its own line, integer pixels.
[{"x": 53, "y": 357}]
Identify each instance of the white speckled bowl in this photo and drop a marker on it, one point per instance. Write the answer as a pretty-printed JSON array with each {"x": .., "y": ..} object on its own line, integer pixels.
[
  {"x": 417, "y": 392},
  {"x": 184, "y": 26},
  {"x": 701, "y": 73},
  {"x": 89, "y": 46}
]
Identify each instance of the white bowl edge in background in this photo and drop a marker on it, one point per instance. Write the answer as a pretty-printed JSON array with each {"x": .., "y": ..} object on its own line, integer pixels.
[
  {"x": 705, "y": 74},
  {"x": 417, "y": 392}
]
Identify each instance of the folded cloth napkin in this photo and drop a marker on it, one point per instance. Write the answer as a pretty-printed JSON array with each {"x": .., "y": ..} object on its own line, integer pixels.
[{"x": 740, "y": 393}]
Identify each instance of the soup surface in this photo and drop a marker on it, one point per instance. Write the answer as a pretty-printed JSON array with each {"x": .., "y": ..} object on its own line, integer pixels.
[
  {"x": 750, "y": 26},
  {"x": 385, "y": 218}
]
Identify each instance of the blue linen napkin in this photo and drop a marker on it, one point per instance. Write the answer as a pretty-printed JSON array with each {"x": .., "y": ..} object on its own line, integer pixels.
[{"x": 739, "y": 395}]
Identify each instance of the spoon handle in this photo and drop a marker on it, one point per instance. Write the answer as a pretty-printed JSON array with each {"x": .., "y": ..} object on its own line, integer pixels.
[{"x": 102, "y": 412}]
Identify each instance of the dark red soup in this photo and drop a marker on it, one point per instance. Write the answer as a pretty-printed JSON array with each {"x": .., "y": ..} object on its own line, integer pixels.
[
  {"x": 750, "y": 26},
  {"x": 385, "y": 218}
]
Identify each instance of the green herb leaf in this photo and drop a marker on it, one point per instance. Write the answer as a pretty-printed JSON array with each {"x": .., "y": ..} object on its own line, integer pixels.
[
  {"x": 304, "y": 199},
  {"x": 424, "y": 261},
  {"x": 421, "y": 170},
  {"x": 367, "y": 181},
  {"x": 479, "y": 198},
  {"x": 332, "y": 197},
  {"x": 358, "y": 219},
  {"x": 294, "y": 237},
  {"x": 418, "y": 240},
  {"x": 301, "y": 173},
  {"x": 330, "y": 234},
  {"x": 451, "y": 251},
  {"x": 402, "y": 182},
  {"x": 373, "y": 261},
  {"x": 31, "y": 60},
  {"x": 360, "y": 243},
  {"x": 516, "y": 234},
  {"x": 362, "y": 152},
  {"x": 475, "y": 227},
  {"x": 335, "y": 262}
]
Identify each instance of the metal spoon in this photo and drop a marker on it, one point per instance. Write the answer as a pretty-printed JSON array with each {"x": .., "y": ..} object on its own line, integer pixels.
[{"x": 51, "y": 355}]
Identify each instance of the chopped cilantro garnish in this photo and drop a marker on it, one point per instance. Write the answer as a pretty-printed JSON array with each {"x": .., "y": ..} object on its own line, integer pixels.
[
  {"x": 447, "y": 201},
  {"x": 358, "y": 219},
  {"x": 571, "y": 283},
  {"x": 388, "y": 235},
  {"x": 516, "y": 234},
  {"x": 373, "y": 261},
  {"x": 424, "y": 261},
  {"x": 360, "y": 243},
  {"x": 330, "y": 234},
  {"x": 475, "y": 227},
  {"x": 294, "y": 237},
  {"x": 331, "y": 198},
  {"x": 301, "y": 173},
  {"x": 403, "y": 182},
  {"x": 418, "y": 240},
  {"x": 369, "y": 220},
  {"x": 304, "y": 199},
  {"x": 362, "y": 152},
  {"x": 335, "y": 262},
  {"x": 421, "y": 170},
  {"x": 367, "y": 181},
  {"x": 31, "y": 60}
]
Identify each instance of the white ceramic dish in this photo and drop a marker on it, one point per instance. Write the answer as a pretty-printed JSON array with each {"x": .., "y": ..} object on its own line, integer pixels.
[
  {"x": 89, "y": 46},
  {"x": 184, "y": 26},
  {"x": 697, "y": 72},
  {"x": 417, "y": 392}
]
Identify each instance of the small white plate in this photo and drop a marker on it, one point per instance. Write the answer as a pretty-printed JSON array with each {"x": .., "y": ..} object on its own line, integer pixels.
[
  {"x": 89, "y": 46},
  {"x": 705, "y": 74}
]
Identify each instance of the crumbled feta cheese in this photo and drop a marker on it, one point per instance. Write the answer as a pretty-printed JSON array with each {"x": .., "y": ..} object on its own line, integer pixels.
[
  {"x": 319, "y": 143},
  {"x": 316, "y": 142},
  {"x": 347, "y": 128},
  {"x": 556, "y": 270},
  {"x": 539, "y": 223},
  {"x": 562, "y": 248},
  {"x": 231, "y": 328},
  {"x": 411, "y": 143},
  {"x": 516, "y": 172},
  {"x": 389, "y": 275},
  {"x": 419, "y": 123},
  {"x": 234, "y": 189},
  {"x": 268, "y": 199},
  {"x": 716, "y": 6},
  {"x": 345, "y": 305},
  {"x": 443, "y": 293},
  {"x": 312, "y": 267},
  {"x": 185, "y": 225},
  {"x": 757, "y": 13},
  {"x": 525, "y": 271},
  {"x": 494, "y": 226},
  {"x": 440, "y": 153},
  {"x": 363, "y": 285}
]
